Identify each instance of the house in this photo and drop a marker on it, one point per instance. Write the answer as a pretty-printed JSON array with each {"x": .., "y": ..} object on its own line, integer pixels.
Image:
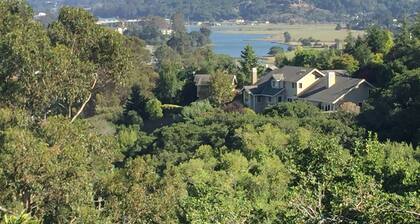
[
  {"x": 203, "y": 82},
  {"x": 327, "y": 89}
]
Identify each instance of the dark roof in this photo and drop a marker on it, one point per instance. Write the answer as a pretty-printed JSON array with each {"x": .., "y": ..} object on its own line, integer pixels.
[
  {"x": 264, "y": 89},
  {"x": 287, "y": 73},
  {"x": 320, "y": 92},
  {"x": 291, "y": 73}
]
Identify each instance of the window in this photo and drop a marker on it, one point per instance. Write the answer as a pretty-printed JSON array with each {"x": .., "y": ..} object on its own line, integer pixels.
[
  {"x": 259, "y": 99},
  {"x": 269, "y": 99},
  {"x": 246, "y": 97},
  {"x": 279, "y": 99},
  {"x": 328, "y": 108},
  {"x": 300, "y": 85},
  {"x": 275, "y": 84},
  {"x": 293, "y": 85},
  {"x": 289, "y": 99}
]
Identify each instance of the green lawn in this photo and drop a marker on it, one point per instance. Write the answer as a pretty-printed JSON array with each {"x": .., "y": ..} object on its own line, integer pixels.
[{"x": 322, "y": 32}]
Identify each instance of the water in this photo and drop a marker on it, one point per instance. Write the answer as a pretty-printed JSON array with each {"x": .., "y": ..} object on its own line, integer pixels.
[{"x": 232, "y": 44}]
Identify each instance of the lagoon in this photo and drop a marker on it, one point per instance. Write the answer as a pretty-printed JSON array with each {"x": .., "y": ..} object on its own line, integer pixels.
[{"x": 233, "y": 43}]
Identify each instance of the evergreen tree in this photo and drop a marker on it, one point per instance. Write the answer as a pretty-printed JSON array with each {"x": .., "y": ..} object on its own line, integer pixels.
[
  {"x": 136, "y": 102},
  {"x": 248, "y": 61}
]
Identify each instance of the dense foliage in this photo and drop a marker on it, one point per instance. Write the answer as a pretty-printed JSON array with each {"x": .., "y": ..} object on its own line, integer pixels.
[{"x": 290, "y": 164}]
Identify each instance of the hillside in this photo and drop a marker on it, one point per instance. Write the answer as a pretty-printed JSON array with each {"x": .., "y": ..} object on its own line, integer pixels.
[{"x": 275, "y": 10}]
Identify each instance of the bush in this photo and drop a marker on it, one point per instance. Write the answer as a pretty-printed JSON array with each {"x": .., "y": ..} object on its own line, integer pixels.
[
  {"x": 196, "y": 109},
  {"x": 299, "y": 109}
]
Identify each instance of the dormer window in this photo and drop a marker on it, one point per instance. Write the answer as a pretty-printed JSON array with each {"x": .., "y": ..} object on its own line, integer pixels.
[{"x": 275, "y": 84}]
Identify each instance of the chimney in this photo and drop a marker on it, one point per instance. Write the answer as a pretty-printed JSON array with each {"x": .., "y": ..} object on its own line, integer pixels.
[
  {"x": 330, "y": 79},
  {"x": 254, "y": 77}
]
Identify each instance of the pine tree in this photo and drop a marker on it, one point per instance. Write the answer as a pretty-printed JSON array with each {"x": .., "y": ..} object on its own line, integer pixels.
[
  {"x": 136, "y": 102},
  {"x": 248, "y": 61}
]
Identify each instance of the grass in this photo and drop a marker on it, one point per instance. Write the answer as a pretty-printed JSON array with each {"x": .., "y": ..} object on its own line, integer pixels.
[{"x": 323, "y": 32}]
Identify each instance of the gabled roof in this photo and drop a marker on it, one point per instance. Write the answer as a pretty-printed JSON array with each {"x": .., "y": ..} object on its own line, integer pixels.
[
  {"x": 264, "y": 89},
  {"x": 319, "y": 91},
  {"x": 286, "y": 73},
  {"x": 291, "y": 73}
]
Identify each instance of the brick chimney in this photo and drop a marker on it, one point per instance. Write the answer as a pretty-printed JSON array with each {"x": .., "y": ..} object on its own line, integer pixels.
[
  {"x": 254, "y": 77},
  {"x": 330, "y": 79}
]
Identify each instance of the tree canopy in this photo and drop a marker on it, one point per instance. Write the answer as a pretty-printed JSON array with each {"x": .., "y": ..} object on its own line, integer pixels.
[{"x": 200, "y": 163}]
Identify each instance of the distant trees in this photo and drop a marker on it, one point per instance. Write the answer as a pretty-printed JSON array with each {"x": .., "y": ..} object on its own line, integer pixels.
[
  {"x": 308, "y": 41},
  {"x": 281, "y": 60},
  {"x": 151, "y": 31},
  {"x": 287, "y": 37},
  {"x": 371, "y": 10},
  {"x": 276, "y": 50},
  {"x": 338, "y": 27}
]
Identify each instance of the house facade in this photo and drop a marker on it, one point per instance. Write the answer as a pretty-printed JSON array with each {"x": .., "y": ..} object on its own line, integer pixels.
[{"x": 327, "y": 89}]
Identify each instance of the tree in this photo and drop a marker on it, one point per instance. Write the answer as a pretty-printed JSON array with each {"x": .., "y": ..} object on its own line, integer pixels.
[
  {"x": 305, "y": 58},
  {"x": 276, "y": 50},
  {"x": 394, "y": 102},
  {"x": 135, "y": 108},
  {"x": 90, "y": 43},
  {"x": 346, "y": 62},
  {"x": 222, "y": 89},
  {"x": 154, "y": 109},
  {"x": 281, "y": 60},
  {"x": 287, "y": 37},
  {"x": 178, "y": 23},
  {"x": 197, "y": 109},
  {"x": 363, "y": 54},
  {"x": 338, "y": 27},
  {"x": 25, "y": 49},
  {"x": 52, "y": 170},
  {"x": 379, "y": 40},
  {"x": 180, "y": 42},
  {"x": 248, "y": 61},
  {"x": 169, "y": 85},
  {"x": 350, "y": 43}
]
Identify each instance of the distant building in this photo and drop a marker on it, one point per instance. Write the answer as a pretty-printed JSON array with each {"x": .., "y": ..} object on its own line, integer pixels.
[{"x": 327, "y": 89}]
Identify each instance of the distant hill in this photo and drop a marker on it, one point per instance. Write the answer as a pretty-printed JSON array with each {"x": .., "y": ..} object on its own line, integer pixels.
[{"x": 382, "y": 11}]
